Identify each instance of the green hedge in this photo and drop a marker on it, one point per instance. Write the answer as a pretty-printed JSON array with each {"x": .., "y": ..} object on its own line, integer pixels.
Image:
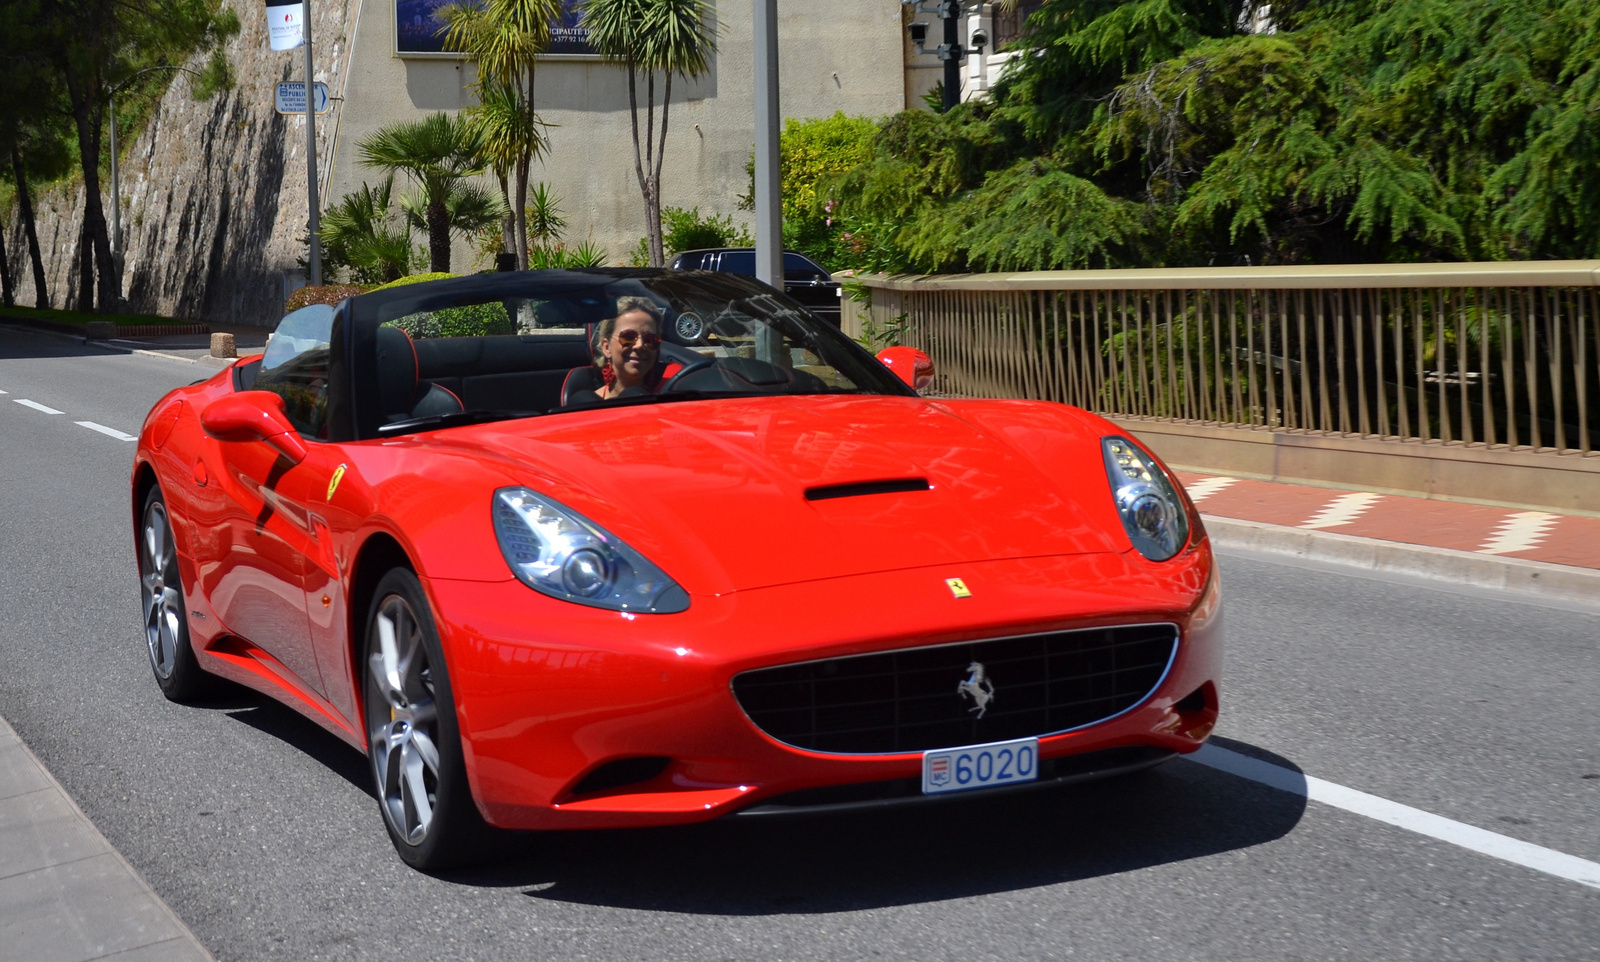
[{"x": 473, "y": 320}]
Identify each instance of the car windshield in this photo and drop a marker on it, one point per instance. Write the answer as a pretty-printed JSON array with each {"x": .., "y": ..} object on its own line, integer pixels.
[{"x": 496, "y": 346}]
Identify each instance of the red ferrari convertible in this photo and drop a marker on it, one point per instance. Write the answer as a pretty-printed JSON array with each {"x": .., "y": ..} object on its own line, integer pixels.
[{"x": 585, "y": 549}]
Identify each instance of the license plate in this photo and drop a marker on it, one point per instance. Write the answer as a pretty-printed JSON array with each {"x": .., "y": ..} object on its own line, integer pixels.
[{"x": 980, "y": 766}]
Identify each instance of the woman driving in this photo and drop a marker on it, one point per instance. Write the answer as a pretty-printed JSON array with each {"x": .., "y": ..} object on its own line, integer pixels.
[{"x": 630, "y": 349}]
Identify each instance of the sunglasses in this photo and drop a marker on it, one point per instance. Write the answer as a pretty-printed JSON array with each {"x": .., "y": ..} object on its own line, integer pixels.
[{"x": 630, "y": 338}]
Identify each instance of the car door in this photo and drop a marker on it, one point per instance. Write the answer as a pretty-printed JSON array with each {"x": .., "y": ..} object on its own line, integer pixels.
[
  {"x": 269, "y": 538},
  {"x": 332, "y": 496},
  {"x": 258, "y": 576}
]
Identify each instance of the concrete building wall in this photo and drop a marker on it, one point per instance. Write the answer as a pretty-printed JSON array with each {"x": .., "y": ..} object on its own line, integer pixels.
[{"x": 834, "y": 55}]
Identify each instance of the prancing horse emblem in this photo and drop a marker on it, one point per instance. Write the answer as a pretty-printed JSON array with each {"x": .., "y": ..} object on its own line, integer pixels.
[{"x": 978, "y": 687}]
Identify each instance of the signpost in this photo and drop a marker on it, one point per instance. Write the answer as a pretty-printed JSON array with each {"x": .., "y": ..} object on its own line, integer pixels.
[
  {"x": 291, "y": 98},
  {"x": 289, "y": 26}
]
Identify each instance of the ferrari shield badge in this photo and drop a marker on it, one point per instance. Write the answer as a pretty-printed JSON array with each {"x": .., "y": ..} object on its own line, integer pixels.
[
  {"x": 333, "y": 483},
  {"x": 958, "y": 587}
]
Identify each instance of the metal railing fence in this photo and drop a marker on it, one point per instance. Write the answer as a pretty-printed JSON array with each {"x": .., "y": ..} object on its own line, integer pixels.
[{"x": 1504, "y": 355}]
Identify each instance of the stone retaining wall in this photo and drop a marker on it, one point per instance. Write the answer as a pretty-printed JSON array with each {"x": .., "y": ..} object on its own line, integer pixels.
[{"x": 213, "y": 192}]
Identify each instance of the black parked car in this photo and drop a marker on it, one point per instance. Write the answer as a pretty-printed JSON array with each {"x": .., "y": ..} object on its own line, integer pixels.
[{"x": 803, "y": 279}]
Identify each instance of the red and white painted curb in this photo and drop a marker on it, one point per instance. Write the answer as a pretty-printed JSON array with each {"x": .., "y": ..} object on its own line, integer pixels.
[{"x": 1478, "y": 529}]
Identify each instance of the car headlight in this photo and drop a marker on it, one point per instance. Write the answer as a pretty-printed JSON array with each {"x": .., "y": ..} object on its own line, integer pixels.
[
  {"x": 1152, "y": 511},
  {"x": 556, "y": 551}
]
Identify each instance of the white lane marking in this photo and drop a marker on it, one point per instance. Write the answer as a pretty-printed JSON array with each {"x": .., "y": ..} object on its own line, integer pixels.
[
  {"x": 1205, "y": 488},
  {"x": 35, "y": 405},
  {"x": 109, "y": 432},
  {"x": 1342, "y": 510},
  {"x": 1519, "y": 532},
  {"x": 1469, "y": 837},
  {"x": 5, "y": 392}
]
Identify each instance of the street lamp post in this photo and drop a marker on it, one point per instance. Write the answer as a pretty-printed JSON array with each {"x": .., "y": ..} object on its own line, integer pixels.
[
  {"x": 769, "y": 203},
  {"x": 950, "y": 51},
  {"x": 314, "y": 265},
  {"x": 769, "y": 207}
]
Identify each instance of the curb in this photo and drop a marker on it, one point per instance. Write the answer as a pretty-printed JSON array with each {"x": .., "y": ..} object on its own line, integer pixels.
[
  {"x": 1541, "y": 578},
  {"x": 89, "y": 329},
  {"x": 74, "y": 896},
  {"x": 119, "y": 344}
]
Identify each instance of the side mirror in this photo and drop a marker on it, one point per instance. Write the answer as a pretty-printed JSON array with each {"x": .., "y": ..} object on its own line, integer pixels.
[
  {"x": 253, "y": 416},
  {"x": 909, "y": 364}
]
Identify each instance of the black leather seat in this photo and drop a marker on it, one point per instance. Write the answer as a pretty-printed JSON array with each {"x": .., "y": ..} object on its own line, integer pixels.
[
  {"x": 400, "y": 393},
  {"x": 580, "y": 386}
]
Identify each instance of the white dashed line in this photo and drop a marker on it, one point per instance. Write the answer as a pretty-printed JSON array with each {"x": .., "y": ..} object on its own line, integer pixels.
[
  {"x": 35, "y": 405},
  {"x": 108, "y": 432},
  {"x": 91, "y": 425},
  {"x": 1469, "y": 837},
  {"x": 5, "y": 392},
  {"x": 1519, "y": 532},
  {"x": 1342, "y": 510},
  {"x": 1205, "y": 488}
]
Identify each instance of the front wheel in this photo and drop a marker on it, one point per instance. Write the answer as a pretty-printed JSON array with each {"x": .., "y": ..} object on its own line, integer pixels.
[
  {"x": 166, "y": 625},
  {"x": 412, "y": 737}
]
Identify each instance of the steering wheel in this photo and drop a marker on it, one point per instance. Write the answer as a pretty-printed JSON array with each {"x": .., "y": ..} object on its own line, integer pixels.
[{"x": 699, "y": 364}]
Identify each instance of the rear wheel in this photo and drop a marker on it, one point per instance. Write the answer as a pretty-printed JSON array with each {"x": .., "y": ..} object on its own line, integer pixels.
[
  {"x": 412, "y": 737},
  {"x": 166, "y": 623}
]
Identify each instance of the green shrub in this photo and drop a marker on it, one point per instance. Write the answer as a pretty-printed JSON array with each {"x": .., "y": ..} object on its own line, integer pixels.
[
  {"x": 812, "y": 155},
  {"x": 688, "y": 230},
  {"x": 587, "y": 254},
  {"x": 471, "y": 320},
  {"x": 324, "y": 294}
]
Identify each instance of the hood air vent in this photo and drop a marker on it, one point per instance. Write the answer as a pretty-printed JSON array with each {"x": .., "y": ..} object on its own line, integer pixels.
[{"x": 827, "y": 492}]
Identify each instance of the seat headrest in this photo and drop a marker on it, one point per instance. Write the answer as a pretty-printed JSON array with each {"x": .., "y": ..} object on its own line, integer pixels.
[{"x": 397, "y": 370}]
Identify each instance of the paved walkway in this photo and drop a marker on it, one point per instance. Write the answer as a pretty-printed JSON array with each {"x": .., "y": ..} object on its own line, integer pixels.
[
  {"x": 65, "y": 893},
  {"x": 197, "y": 347},
  {"x": 1506, "y": 532}
]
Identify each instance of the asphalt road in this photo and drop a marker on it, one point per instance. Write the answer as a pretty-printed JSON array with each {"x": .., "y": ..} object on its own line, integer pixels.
[{"x": 258, "y": 830}]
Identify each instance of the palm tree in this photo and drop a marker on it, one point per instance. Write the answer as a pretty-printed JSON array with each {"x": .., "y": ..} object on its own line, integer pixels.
[
  {"x": 439, "y": 153},
  {"x": 545, "y": 223},
  {"x": 512, "y": 138},
  {"x": 505, "y": 38},
  {"x": 468, "y": 208},
  {"x": 363, "y": 233},
  {"x": 667, "y": 37}
]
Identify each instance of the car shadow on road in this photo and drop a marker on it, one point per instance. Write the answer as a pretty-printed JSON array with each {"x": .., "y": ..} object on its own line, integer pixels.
[
  {"x": 851, "y": 861},
  {"x": 269, "y": 717}
]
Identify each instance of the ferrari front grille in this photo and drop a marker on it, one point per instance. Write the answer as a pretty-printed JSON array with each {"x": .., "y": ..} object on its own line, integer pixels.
[{"x": 915, "y": 699}]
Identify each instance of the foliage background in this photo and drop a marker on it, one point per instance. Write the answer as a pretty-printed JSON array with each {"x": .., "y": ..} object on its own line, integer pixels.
[{"x": 1166, "y": 133}]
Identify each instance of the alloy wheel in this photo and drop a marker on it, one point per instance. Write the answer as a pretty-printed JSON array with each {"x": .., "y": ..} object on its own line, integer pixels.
[
  {"x": 404, "y": 744},
  {"x": 163, "y": 599}
]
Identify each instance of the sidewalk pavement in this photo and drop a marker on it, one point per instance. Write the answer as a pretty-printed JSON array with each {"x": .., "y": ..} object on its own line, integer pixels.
[
  {"x": 1553, "y": 556},
  {"x": 65, "y": 894},
  {"x": 197, "y": 347},
  {"x": 1480, "y": 529}
]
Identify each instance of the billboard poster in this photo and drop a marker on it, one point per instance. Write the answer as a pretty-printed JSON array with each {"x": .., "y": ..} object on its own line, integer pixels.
[{"x": 417, "y": 32}]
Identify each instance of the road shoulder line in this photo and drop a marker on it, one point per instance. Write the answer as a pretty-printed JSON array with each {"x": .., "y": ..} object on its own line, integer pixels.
[
  {"x": 1470, "y": 837},
  {"x": 84, "y": 901},
  {"x": 1541, "y": 578}
]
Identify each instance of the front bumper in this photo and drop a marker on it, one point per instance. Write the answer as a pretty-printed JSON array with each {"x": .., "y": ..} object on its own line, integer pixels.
[{"x": 548, "y": 692}]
